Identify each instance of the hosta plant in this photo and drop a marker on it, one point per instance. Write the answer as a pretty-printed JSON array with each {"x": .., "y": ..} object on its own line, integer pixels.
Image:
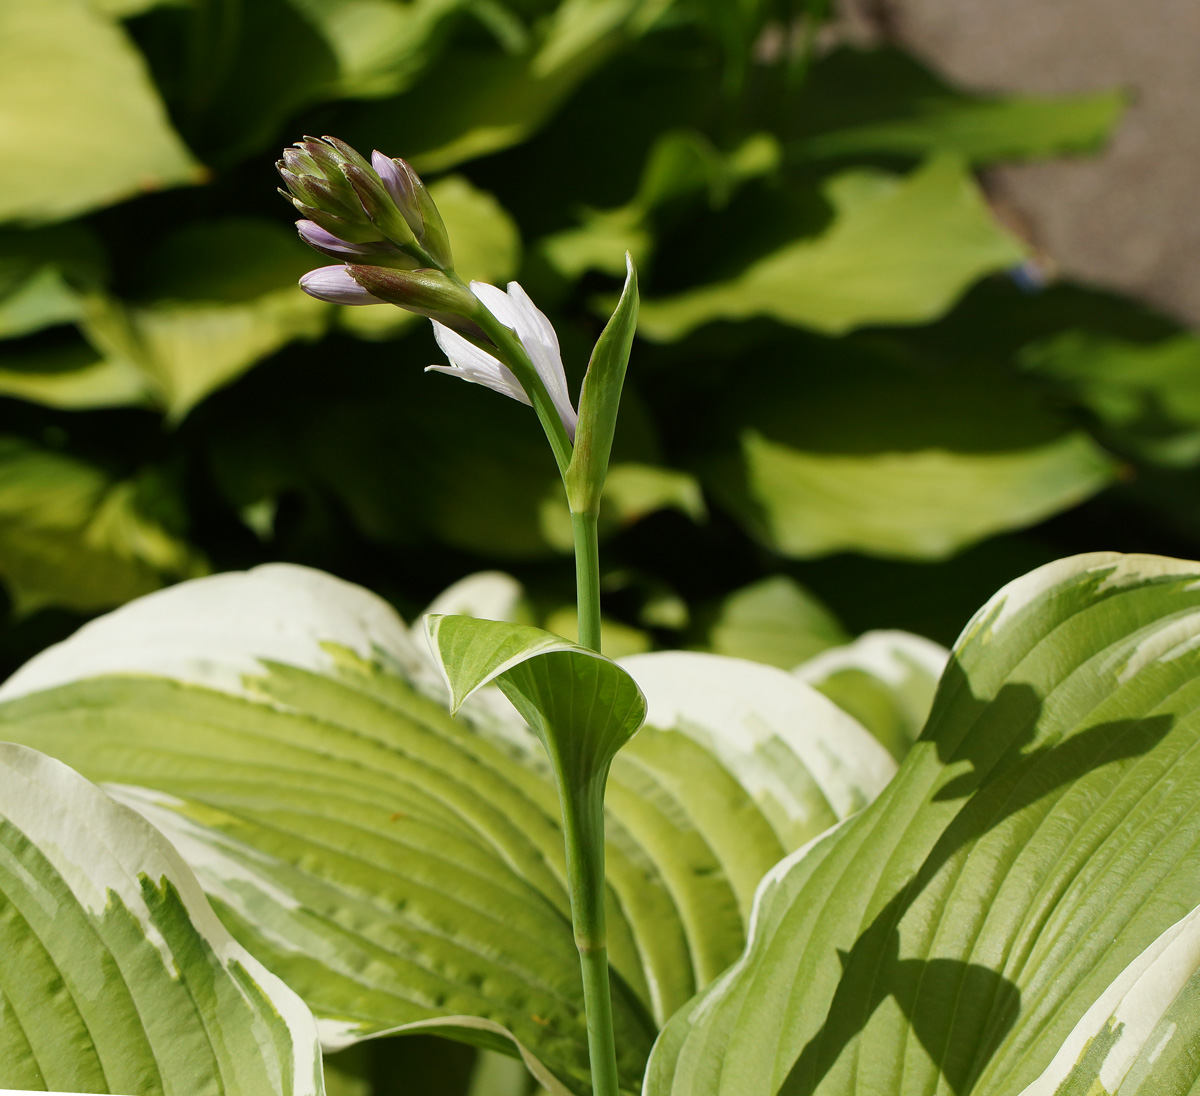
[{"x": 288, "y": 814}]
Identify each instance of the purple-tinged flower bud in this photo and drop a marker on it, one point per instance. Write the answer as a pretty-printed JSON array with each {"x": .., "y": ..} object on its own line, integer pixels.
[
  {"x": 334, "y": 284},
  {"x": 399, "y": 188},
  {"x": 372, "y": 252},
  {"x": 348, "y": 231},
  {"x": 426, "y": 292},
  {"x": 348, "y": 154},
  {"x": 404, "y": 186},
  {"x": 379, "y": 206}
]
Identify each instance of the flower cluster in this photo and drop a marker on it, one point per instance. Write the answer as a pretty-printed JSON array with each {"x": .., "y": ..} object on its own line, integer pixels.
[{"x": 378, "y": 220}]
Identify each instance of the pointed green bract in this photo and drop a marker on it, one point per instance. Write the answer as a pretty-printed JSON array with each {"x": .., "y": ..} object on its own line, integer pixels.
[
  {"x": 583, "y": 707},
  {"x": 600, "y": 399},
  {"x": 115, "y": 975},
  {"x": 400, "y": 868},
  {"x": 1016, "y": 912}
]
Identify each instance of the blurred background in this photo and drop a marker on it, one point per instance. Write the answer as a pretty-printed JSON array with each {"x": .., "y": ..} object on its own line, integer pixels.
[
  {"x": 918, "y": 284},
  {"x": 917, "y": 280}
]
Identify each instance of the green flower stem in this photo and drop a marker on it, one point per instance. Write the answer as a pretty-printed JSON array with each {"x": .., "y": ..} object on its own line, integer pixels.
[
  {"x": 587, "y": 577},
  {"x": 583, "y": 831},
  {"x": 583, "y": 819}
]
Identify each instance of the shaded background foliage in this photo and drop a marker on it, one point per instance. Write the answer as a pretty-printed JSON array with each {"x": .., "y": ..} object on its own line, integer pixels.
[{"x": 857, "y": 401}]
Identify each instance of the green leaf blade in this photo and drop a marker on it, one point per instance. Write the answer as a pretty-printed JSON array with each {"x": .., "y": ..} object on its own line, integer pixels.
[
  {"x": 78, "y": 101},
  {"x": 1037, "y": 840},
  {"x": 293, "y": 740},
  {"x": 153, "y": 993},
  {"x": 897, "y": 252}
]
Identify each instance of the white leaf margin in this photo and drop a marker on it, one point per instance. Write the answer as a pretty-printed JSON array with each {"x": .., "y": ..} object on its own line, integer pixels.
[
  {"x": 1130, "y": 1009},
  {"x": 98, "y": 846}
]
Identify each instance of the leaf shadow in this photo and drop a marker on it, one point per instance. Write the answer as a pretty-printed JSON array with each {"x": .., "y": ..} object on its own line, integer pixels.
[{"x": 1004, "y": 777}]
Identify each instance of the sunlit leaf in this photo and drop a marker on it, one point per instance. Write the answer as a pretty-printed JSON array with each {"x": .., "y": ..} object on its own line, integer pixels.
[
  {"x": 115, "y": 975},
  {"x": 775, "y": 621},
  {"x": 898, "y": 251},
  {"x": 399, "y": 867},
  {"x": 682, "y": 164},
  {"x": 882, "y": 102},
  {"x": 72, "y": 536},
  {"x": 477, "y": 101},
  {"x": 885, "y": 679},
  {"x": 875, "y": 454},
  {"x": 1146, "y": 396},
  {"x": 1019, "y": 905},
  {"x": 76, "y": 99}
]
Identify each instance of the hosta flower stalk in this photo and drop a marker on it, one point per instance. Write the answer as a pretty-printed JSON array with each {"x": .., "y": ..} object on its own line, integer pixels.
[{"x": 377, "y": 219}]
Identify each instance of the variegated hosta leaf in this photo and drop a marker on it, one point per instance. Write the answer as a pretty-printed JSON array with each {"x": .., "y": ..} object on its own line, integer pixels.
[
  {"x": 115, "y": 975},
  {"x": 399, "y": 867},
  {"x": 885, "y": 679},
  {"x": 1017, "y": 912}
]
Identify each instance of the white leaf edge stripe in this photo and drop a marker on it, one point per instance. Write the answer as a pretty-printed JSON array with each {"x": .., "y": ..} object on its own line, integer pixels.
[
  {"x": 885, "y": 654},
  {"x": 97, "y": 845},
  {"x": 203, "y": 849},
  {"x": 1120, "y": 570},
  {"x": 213, "y": 631},
  {"x": 1130, "y": 1008},
  {"x": 735, "y": 707}
]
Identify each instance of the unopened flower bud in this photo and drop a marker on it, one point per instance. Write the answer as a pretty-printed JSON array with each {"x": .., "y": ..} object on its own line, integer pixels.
[
  {"x": 334, "y": 284},
  {"x": 414, "y": 201},
  {"x": 350, "y": 232},
  {"x": 378, "y": 204},
  {"x": 374, "y": 252},
  {"x": 427, "y": 292}
]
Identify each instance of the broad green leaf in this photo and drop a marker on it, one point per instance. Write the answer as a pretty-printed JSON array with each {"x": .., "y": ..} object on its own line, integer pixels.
[
  {"x": 633, "y": 491},
  {"x": 600, "y": 400},
  {"x": 487, "y": 248},
  {"x": 775, "y": 621},
  {"x": 74, "y": 378},
  {"x": 1022, "y": 897},
  {"x": 115, "y": 975},
  {"x": 403, "y": 869},
  {"x": 885, "y": 679},
  {"x": 209, "y": 319},
  {"x": 72, "y": 536},
  {"x": 478, "y": 101},
  {"x": 44, "y": 300},
  {"x": 43, "y": 273},
  {"x": 895, "y": 504},
  {"x": 682, "y": 164},
  {"x": 75, "y": 97},
  {"x": 881, "y": 454},
  {"x": 1146, "y": 396},
  {"x": 983, "y": 130},
  {"x": 898, "y": 251},
  {"x": 882, "y": 102},
  {"x": 379, "y": 45}
]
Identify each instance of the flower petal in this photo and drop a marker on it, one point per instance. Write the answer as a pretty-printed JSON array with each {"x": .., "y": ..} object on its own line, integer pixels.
[
  {"x": 470, "y": 363},
  {"x": 334, "y": 284},
  {"x": 517, "y": 312}
]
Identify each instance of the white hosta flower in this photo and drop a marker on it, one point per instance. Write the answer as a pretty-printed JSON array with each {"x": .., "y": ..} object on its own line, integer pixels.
[{"x": 517, "y": 312}]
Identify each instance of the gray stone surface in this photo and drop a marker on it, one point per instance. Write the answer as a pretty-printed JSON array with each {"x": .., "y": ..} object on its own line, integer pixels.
[{"x": 1128, "y": 219}]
